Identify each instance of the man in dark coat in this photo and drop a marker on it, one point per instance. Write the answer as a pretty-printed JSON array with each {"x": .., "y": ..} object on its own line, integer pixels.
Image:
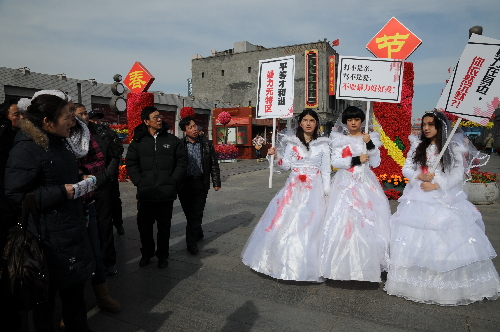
[
  {"x": 112, "y": 148},
  {"x": 156, "y": 163},
  {"x": 202, "y": 163}
]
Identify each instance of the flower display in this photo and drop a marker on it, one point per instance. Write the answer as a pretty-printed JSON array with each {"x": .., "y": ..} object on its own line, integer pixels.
[
  {"x": 119, "y": 128},
  {"x": 482, "y": 177},
  {"x": 394, "y": 179},
  {"x": 393, "y": 122},
  {"x": 467, "y": 123},
  {"x": 226, "y": 151},
  {"x": 393, "y": 194},
  {"x": 122, "y": 172},
  {"x": 186, "y": 111},
  {"x": 136, "y": 101},
  {"x": 224, "y": 118}
]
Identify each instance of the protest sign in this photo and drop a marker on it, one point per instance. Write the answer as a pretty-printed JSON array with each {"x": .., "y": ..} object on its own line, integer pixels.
[
  {"x": 473, "y": 90},
  {"x": 369, "y": 79},
  {"x": 275, "y": 93}
]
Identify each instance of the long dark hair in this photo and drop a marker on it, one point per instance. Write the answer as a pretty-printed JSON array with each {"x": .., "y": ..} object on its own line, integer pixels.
[
  {"x": 420, "y": 156},
  {"x": 300, "y": 131}
]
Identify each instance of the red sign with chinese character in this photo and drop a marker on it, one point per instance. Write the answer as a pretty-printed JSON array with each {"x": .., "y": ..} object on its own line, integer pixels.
[
  {"x": 394, "y": 41},
  {"x": 139, "y": 79},
  {"x": 331, "y": 75}
]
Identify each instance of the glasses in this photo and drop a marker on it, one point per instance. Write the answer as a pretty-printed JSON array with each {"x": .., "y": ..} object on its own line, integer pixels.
[{"x": 157, "y": 117}]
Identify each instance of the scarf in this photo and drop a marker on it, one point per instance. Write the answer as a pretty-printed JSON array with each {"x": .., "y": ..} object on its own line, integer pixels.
[{"x": 79, "y": 139}]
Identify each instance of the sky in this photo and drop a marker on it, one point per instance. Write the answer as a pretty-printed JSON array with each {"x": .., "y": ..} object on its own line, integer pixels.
[{"x": 97, "y": 39}]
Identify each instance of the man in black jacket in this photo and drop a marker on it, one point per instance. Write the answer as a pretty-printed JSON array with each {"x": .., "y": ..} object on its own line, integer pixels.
[
  {"x": 112, "y": 148},
  {"x": 202, "y": 163},
  {"x": 156, "y": 163}
]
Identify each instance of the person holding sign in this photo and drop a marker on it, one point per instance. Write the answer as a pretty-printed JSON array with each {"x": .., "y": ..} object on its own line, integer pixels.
[
  {"x": 285, "y": 242},
  {"x": 355, "y": 239},
  {"x": 439, "y": 251}
]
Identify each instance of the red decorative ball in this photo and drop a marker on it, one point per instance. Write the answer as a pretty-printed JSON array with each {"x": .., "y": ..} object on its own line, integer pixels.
[
  {"x": 186, "y": 111},
  {"x": 224, "y": 118}
]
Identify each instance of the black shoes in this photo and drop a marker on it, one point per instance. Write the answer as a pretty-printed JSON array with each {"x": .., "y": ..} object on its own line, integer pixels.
[
  {"x": 120, "y": 230},
  {"x": 111, "y": 270},
  {"x": 193, "y": 250},
  {"x": 162, "y": 263},
  {"x": 144, "y": 261}
]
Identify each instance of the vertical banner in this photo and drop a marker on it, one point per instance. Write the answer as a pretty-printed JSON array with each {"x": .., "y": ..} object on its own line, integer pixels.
[
  {"x": 331, "y": 75},
  {"x": 275, "y": 88},
  {"x": 190, "y": 87},
  {"x": 311, "y": 78}
]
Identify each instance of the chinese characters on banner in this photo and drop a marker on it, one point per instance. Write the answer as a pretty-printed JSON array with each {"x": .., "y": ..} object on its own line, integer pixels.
[
  {"x": 311, "y": 90},
  {"x": 275, "y": 88},
  {"x": 369, "y": 79},
  {"x": 473, "y": 90},
  {"x": 139, "y": 79},
  {"x": 393, "y": 41},
  {"x": 331, "y": 75}
]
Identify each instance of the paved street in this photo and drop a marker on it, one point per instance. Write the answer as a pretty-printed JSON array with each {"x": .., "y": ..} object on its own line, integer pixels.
[{"x": 214, "y": 291}]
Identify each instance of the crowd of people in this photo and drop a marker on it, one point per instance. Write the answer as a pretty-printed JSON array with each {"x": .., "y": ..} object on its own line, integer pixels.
[
  {"x": 55, "y": 148},
  {"x": 432, "y": 250}
]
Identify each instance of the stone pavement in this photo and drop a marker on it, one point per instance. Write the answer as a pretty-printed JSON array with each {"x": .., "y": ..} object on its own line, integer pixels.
[{"x": 214, "y": 291}]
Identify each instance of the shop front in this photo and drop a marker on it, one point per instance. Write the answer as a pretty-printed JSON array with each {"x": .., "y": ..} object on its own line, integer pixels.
[{"x": 241, "y": 130}]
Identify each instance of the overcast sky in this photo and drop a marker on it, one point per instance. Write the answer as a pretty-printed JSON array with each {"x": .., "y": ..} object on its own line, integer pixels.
[{"x": 97, "y": 39}]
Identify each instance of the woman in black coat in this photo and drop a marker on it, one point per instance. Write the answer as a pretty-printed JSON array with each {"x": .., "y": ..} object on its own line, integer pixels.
[{"x": 41, "y": 162}]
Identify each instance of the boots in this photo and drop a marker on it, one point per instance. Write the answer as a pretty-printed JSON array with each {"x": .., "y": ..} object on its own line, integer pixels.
[{"x": 104, "y": 300}]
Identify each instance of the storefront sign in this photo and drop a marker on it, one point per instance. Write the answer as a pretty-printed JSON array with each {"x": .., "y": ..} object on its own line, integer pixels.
[
  {"x": 331, "y": 75},
  {"x": 275, "y": 87},
  {"x": 370, "y": 79},
  {"x": 139, "y": 79},
  {"x": 311, "y": 57},
  {"x": 394, "y": 41},
  {"x": 473, "y": 90}
]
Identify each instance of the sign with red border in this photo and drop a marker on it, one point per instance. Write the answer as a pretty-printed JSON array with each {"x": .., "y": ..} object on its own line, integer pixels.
[{"x": 139, "y": 79}]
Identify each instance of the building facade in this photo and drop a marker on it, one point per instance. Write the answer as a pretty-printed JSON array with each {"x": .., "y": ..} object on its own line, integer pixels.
[
  {"x": 96, "y": 96},
  {"x": 232, "y": 76}
]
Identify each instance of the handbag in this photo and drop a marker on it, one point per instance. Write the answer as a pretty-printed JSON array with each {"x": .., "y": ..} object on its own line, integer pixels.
[{"x": 24, "y": 271}]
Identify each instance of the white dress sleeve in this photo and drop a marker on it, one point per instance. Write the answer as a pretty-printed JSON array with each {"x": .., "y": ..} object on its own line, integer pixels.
[
  {"x": 374, "y": 154},
  {"x": 455, "y": 176},
  {"x": 340, "y": 149},
  {"x": 284, "y": 162}
]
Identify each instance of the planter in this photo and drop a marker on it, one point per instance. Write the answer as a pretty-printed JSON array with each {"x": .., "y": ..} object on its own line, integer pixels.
[
  {"x": 481, "y": 193},
  {"x": 227, "y": 160}
]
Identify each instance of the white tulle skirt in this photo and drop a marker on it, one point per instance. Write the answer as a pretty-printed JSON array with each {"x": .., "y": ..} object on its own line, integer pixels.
[
  {"x": 285, "y": 242},
  {"x": 355, "y": 237},
  {"x": 439, "y": 251}
]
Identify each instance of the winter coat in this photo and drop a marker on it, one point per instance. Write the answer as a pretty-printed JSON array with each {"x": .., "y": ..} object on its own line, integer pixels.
[
  {"x": 112, "y": 148},
  {"x": 156, "y": 165},
  {"x": 8, "y": 212},
  {"x": 43, "y": 163},
  {"x": 209, "y": 162}
]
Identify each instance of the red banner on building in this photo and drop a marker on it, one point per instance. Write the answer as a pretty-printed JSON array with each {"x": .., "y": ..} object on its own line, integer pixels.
[{"x": 331, "y": 75}]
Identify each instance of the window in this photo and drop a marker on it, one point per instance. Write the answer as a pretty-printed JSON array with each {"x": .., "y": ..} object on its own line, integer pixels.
[
  {"x": 249, "y": 70},
  {"x": 202, "y": 74},
  {"x": 222, "y": 72}
]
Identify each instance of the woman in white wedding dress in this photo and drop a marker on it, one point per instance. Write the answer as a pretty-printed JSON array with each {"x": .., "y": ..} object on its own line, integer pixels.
[
  {"x": 285, "y": 242},
  {"x": 355, "y": 235},
  {"x": 439, "y": 253}
]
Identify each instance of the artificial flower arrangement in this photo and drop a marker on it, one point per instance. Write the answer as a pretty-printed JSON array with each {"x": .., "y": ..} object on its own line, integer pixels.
[
  {"x": 467, "y": 123},
  {"x": 186, "y": 111},
  {"x": 122, "y": 172},
  {"x": 477, "y": 176},
  {"x": 393, "y": 185},
  {"x": 226, "y": 151},
  {"x": 119, "y": 128}
]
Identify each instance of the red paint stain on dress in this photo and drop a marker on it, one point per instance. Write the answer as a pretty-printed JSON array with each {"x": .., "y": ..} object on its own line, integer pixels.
[
  {"x": 348, "y": 230},
  {"x": 286, "y": 199},
  {"x": 346, "y": 152},
  {"x": 296, "y": 150},
  {"x": 280, "y": 162},
  {"x": 425, "y": 169},
  {"x": 302, "y": 177}
]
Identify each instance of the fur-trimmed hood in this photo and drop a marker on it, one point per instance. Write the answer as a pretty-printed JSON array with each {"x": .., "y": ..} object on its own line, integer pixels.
[{"x": 34, "y": 133}]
